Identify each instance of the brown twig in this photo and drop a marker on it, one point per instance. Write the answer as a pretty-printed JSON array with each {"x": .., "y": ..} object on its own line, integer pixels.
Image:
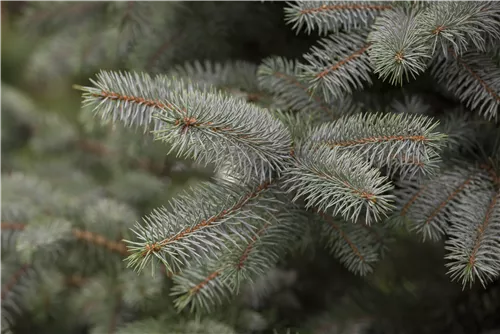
[
  {"x": 250, "y": 245},
  {"x": 157, "y": 246},
  {"x": 14, "y": 279},
  {"x": 378, "y": 139},
  {"x": 325, "y": 8},
  {"x": 480, "y": 231},
  {"x": 448, "y": 199},
  {"x": 94, "y": 238},
  {"x": 342, "y": 234},
  {"x": 342, "y": 62},
  {"x": 297, "y": 83},
  {"x": 207, "y": 280},
  {"x": 476, "y": 76}
]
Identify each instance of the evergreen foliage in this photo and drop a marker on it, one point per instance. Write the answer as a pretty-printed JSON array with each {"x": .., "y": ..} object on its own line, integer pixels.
[{"x": 301, "y": 158}]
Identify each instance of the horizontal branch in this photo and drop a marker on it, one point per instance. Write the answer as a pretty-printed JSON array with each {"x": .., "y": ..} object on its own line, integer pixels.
[
  {"x": 338, "y": 65},
  {"x": 98, "y": 240},
  {"x": 13, "y": 226},
  {"x": 280, "y": 76},
  {"x": 341, "y": 181},
  {"x": 87, "y": 236},
  {"x": 198, "y": 121},
  {"x": 326, "y": 16},
  {"x": 158, "y": 246},
  {"x": 402, "y": 142},
  {"x": 380, "y": 139},
  {"x": 460, "y": 25},
  {"x": 344, "y": 61},
  {"x": 306, "y": 90},
  {"x": 202, "y": 284},
  {"x": 202, "y": 222},
  {"x": 133, "y": 99},
  {"x": 325, "y": 8}
]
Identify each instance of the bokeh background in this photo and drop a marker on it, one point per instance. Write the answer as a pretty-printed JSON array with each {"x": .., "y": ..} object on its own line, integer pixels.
[{"x": 111, "y": 175}]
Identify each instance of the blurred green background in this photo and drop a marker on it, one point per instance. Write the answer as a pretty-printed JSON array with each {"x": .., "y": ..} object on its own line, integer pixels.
[{"x": 46, "y": 49}]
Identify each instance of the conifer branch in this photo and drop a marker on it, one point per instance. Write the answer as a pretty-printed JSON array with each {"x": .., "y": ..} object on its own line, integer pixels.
[
  {"x": 379, "y": 139},
  {"x": 234, "y": 77},
  {"x": 398, "y": 50},
  {"x": 99, "y": 240},
  {"x": 254, "y": 257},
  {"x": 202, "y": 284},
  {"x": 17, "y": 278},
  {"x": 9, "y": 237},
  {"x": 282, "y": 77},
  {"x": 348, "y": 241},
  {"x": 325, "y": 8},
  {"x": 488, "y": 89},
  {"x": 461, "y": 26},
  {"x": 130, "y": 97},
  {"x": 341, "y": 181},
  {"x": 244, "y": 256},
  {"x": 408, "y": 204},
  {"x": 473, "y": 78},
  {"x": 79, "y": 234},
  {"x": 13, "y": 226},
  {"x": 450, "y": 197},
  {"x": 200, "y": 224},
  {"x": 344, "y": 61},
  {"x": 339, "y": 65},
  {"x": 481, "y": 231},
  {"x": 133, "y": 99},
  {"x": 473, "y": 243},
  {"x": 157, "y": 246},
  {"x": 492, "y": 172},
  {"x": 202, "y": 288},
  {"x": 134, "y": 20},
  {"x": 241, "y": 262},
  {"x": 294, "y": 81},
  {"x": 425, "y": 208},
  {"x": 199, "y": 123},
  {"x": 403, "y": 143},
  {"x": 325, "y": 16},
  {"x": 190, "y": 286},
  {"x": 354, "y": 244},
  {"x": 222, "y": 235}
]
